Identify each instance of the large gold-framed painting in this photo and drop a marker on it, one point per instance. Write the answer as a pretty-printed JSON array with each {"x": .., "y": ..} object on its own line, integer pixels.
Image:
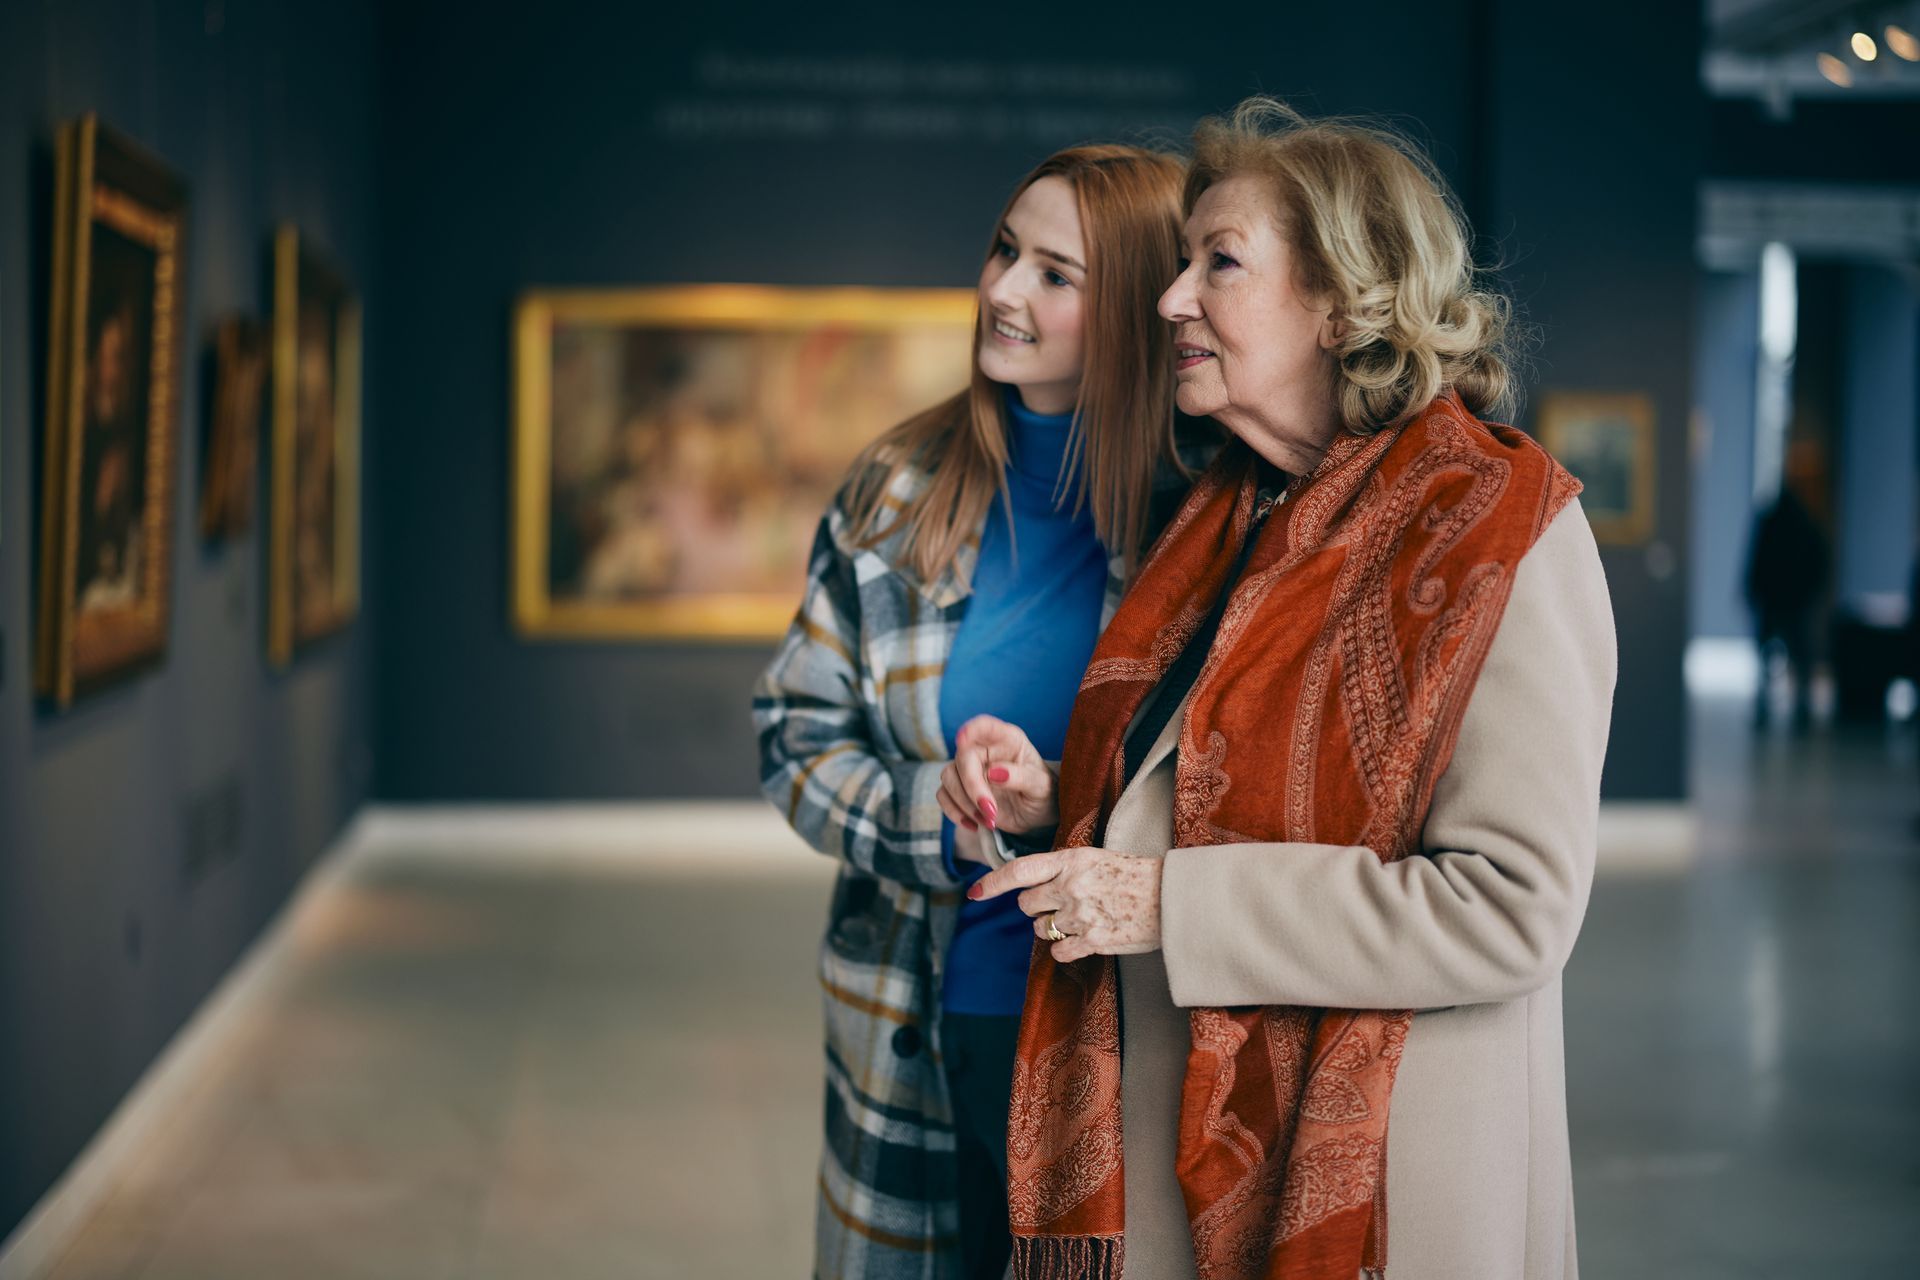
[
  {"x": 1607, "y": 441},
  {"x": 675, "y": 447},
  {"x": 112, "y": 412},
  {"x": 313, "y": 580}
]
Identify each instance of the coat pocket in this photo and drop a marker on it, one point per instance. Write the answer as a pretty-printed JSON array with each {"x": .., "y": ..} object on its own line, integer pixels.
[{"x": 854, "y": 925}]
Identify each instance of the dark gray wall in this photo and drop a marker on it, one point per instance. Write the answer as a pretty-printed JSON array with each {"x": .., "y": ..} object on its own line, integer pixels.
[
  {"x": 585, "y": 147},
  {"x": 107, "y": 942},
  {"x": 600, "y": 146},
  {"x": 1592, "y": 189}
]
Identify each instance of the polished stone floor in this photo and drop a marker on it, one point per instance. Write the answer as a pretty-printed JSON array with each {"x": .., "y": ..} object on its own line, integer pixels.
[
  {"x": 515, "y": 1047},
  {"x": 1743, "y": 1041}
]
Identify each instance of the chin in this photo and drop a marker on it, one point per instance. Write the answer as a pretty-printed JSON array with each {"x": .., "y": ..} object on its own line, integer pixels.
[
  {"x": 993, "y": 365},
  {"x": 1195, "y": 402}
]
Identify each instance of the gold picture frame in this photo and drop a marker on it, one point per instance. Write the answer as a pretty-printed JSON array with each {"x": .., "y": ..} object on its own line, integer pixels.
[
  {"x": 1607, "y": 440},
  {"x": 313, "y": 579},
  {"x": 113, "y": 391},
  {"x": 674, "y": 448}
]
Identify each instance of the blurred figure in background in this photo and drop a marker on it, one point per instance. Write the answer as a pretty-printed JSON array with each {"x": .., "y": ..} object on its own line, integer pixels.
[{"x": 1788, "y": 567}]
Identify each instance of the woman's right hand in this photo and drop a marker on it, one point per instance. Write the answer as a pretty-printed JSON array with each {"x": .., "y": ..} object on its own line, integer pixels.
[{"x": 997, "y": 779}]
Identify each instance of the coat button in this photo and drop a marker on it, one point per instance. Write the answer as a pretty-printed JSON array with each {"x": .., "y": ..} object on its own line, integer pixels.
[{"x": 906, "y": 1041}]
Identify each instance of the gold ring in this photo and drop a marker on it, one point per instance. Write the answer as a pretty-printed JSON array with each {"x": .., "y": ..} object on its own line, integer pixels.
[{"x": 1053, "y": 930}]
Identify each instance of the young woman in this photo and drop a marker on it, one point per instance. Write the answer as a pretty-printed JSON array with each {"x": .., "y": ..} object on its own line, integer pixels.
[{"x": 965, "y": 570}]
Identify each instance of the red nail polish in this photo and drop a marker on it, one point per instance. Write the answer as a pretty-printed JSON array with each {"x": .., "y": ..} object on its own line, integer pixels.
[
  {"x": 973, "y": 891},
  {"x": 986, "y": 807},
  {"x": 997, "y": 774}
]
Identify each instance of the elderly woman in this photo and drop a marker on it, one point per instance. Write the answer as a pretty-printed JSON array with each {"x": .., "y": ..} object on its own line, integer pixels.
[{"x": 1328, "y": 800}]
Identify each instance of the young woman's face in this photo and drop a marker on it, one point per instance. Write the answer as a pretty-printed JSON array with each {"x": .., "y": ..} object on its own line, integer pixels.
[{"x": 1033, "y": 299}]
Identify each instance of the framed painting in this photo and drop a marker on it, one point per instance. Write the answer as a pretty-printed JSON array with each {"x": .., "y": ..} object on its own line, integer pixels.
[
  {"x": 1607, "y": 441},
  {"x": 313, "y": 572},
  {"x": 674, "y": 448},
  {"x": 112, "y": 412},
  {"x": 229, "y": 479}
]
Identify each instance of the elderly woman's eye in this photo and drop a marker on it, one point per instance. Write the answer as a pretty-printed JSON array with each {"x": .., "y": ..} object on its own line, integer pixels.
[
  {"x": 1221, "y": 262},
  {"x": 1184, "y": 264}
]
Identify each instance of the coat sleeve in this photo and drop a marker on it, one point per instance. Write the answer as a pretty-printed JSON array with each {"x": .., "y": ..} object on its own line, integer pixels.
[
  {"x": 1490, "y": 908},
  {"x": 818, "y": 764}
]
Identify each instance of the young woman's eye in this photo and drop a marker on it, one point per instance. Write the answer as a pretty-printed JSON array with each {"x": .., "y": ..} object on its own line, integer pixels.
[
  {"x": 1002, "y": 248},
  {"x": 1221, "y": 262},
  {"x": 1057, "y": 280}
]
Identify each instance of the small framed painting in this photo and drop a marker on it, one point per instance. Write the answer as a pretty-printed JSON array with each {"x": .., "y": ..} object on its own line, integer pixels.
[
  {"x": 313, "y": 574},
  {"x": 1607, "y": 441},
  {"x": 230, "y": 478},
  {"x": 674, "y": 448},
  {"x": 112, "y": 412}
]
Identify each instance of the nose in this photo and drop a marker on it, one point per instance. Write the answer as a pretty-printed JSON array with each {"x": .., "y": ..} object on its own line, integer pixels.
[
  {"x": 1004, "y": 292},
  {"x": 1180, "y": 301}
]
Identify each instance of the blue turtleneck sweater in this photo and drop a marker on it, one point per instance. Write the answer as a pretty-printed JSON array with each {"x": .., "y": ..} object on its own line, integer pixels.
[{"x": 1019, "y": 654}]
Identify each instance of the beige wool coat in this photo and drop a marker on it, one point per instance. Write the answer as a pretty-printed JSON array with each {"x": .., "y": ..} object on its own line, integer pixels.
[{"x": 1473, "y": 935}]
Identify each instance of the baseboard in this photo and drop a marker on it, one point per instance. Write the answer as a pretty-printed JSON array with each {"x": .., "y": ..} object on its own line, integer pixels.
[
  {"x": 1646, "y": 838},
  {"x": 655, "y": 833}
]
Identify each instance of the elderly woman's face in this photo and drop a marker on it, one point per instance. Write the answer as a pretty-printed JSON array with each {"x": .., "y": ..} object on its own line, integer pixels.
[{"x": 1246, "y": 345}]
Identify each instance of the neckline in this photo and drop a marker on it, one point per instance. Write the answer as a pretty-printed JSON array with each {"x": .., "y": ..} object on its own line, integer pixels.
[
  {"x": 1036, "y": 452},
  {"x": 1018, "y": 411}
]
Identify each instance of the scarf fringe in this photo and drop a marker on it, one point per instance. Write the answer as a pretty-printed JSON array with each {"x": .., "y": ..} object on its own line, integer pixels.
[{"x": 1068, "y": 1257}]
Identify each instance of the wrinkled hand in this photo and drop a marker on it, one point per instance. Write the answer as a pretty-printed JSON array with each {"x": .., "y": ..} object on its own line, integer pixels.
[
  {"x": 997, "y": 779},
  {"x": 1108, "y": 904}
]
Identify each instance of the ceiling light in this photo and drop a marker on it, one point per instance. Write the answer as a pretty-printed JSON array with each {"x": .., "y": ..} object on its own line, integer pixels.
[
  {"x": 1835, "y": 70},
  {"x": 1901, "y": 41},
  {"x": 1864, "y": 47}
]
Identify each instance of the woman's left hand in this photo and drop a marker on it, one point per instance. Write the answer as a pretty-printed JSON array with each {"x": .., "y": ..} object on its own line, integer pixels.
[{"x": 1108, "y": 904}]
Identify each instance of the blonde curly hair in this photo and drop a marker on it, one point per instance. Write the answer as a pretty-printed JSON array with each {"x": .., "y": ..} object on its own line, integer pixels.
[{"x": 1376, "y": 234}]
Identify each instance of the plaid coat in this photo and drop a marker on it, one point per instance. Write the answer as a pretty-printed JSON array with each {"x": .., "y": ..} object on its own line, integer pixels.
[{"x": 851, "y": 748}]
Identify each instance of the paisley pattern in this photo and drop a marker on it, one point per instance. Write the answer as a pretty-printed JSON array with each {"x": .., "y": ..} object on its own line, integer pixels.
[{"x": 1346, "y": 654}]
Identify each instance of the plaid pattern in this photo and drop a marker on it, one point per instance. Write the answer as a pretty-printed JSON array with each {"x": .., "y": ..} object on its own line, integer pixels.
[{"x": 851, "y": 749}]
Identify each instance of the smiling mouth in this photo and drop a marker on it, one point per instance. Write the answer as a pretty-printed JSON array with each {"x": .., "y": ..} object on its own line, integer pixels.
[
  {"x": 1010, "y": 333},
  {"x": 1185, "y": 357}
]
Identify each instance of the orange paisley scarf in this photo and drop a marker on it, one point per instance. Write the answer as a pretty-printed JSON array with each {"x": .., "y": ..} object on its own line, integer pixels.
[{"x": 1327, "y": 710}]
